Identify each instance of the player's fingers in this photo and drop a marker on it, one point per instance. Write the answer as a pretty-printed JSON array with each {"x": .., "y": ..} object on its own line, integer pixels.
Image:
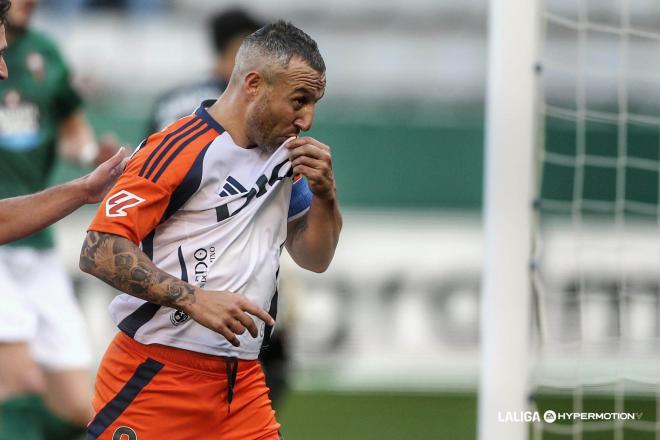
[
  {"x": 294, "y": 143},
  {"x": 120, "y": 168},
  {"x": 309, "y": 172},
  {"x": 258, "y": 312},
  {"x": 236, "y": 327},
  {"x": 116, "y": 159},
  {"x": 307, "y": 150},
  {"x": 306, "y": 160},
  {"x": 249, "y": 324},
  {"x": 229, "y": 335}
]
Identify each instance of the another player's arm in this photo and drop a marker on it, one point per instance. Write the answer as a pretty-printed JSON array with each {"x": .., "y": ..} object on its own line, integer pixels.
[
  {"x": 312, "y": 239},
  {"x": 25, "y": 215},
  {"x": 120, "y": 263}
]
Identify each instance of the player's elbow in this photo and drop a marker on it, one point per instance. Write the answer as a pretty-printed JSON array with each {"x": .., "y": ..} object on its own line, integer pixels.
[
  {"x": 86, "y": 263},
  {"x": 317, "y": 265},
  {"x": 311, "y": 264},
  {"x": 318, "y": 268}
]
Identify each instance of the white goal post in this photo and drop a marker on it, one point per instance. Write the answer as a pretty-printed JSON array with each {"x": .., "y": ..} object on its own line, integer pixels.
[{"x": 509, "y": 191}]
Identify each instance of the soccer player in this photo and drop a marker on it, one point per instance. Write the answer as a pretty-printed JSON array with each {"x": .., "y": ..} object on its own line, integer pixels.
[
  {"x": 228, "y": 29},
  {"x": 44, "y": 353},
  {"x": 193, "y": 232}
]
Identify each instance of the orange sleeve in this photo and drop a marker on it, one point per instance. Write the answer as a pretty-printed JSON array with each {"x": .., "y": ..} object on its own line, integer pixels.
[{"x": 136, "y": 204}]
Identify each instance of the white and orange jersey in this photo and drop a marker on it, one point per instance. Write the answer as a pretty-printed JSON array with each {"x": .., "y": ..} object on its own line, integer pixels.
[{"x": 210, "y": 213}]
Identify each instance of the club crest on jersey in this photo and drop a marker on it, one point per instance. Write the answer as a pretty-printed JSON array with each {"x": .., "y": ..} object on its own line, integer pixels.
[
  {"x": 117, "y": 204},
  {"x": 264, "y": 182},
  {"x": 178, "y": 317}
]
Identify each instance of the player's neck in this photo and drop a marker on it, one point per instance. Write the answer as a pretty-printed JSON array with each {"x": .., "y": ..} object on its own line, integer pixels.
[{"x": 229, "y": 111}]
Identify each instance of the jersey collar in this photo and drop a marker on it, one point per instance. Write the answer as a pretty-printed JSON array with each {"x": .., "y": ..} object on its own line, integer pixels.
[{"x": 204, "y": 115}]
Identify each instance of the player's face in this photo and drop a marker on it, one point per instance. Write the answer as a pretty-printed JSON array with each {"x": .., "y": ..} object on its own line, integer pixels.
[
  {"x": 4, "y": 73},
  {"x": 286, "y": 106},
  {"x": 20, "y": 13}
]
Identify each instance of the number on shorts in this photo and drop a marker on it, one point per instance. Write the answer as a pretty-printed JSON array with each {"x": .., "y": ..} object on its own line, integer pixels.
[{"x": 124, "y": 433}]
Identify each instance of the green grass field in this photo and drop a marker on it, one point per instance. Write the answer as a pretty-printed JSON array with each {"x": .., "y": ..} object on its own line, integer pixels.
[
  {"x": 382, "y": 416},
  {"x": 406, "y": 416}
]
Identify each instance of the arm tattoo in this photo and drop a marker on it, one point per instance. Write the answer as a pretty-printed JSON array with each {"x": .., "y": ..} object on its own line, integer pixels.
[{"x": 122, "y": 264}]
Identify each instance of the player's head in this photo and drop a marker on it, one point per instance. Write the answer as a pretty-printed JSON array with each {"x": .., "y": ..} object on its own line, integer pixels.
[
  {"x": 5, "y": 5},
  {"x": 20, "y": 14},
  {"x": 228, "y": 30},
  {"x": 282, "y": 75}
]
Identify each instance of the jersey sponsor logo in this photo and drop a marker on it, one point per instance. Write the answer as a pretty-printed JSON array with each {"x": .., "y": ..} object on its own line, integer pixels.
[
  {"x": 117, "y": 204},
  {"x": 19, "y": 123},
  {"x": 264, "y": 182},
  {"x": 232, "y": 187},
  {"x": 203, "y": 258}
]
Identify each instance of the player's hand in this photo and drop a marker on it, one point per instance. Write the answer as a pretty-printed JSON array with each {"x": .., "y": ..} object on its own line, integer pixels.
[
  {"x": 226, "y": 313},
  {"x": 313, "y": 160},
  {"x": 99, "y": 181}
]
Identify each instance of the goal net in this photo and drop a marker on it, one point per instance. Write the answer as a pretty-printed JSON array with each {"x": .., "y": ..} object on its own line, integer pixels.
[{"x": 596, "y": 258}]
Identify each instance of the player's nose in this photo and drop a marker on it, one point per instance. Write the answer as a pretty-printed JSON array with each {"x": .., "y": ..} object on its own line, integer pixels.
[{"x": 305, "y": 119}]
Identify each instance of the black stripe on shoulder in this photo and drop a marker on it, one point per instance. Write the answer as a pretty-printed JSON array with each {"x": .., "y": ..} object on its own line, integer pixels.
[
  {"x": 140, "y": 316},
  {"x": 170, "y": 145},
  {"x": 188, "y": 185},
  {"x": 163, "y": 142},
  {"x": 144, "y": 374},
  {"x": 177, "y": 151}
]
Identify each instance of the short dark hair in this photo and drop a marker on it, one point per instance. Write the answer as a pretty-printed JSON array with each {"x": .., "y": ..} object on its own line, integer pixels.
[
  {"x": 230, "y": 23},
  {"x": 282, "y": 40},
  {"x": 4, "y": 8}
]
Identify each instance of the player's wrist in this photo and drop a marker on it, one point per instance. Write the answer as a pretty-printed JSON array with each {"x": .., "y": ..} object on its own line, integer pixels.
[
  {"x": 189, "y": 303},
  {"x": 328, "y": 196},
  {"x": 79, "y": 189}
]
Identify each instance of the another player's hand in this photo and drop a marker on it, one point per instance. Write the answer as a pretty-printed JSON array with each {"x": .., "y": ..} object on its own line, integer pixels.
[
  {"x": 313, "y": 160},
  {"x": 99, "y": 181},
  {"x": 226, "y": 313}
]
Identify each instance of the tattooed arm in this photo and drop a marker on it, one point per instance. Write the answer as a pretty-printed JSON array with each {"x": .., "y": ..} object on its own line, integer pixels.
[{"x": 120, "y": 263}]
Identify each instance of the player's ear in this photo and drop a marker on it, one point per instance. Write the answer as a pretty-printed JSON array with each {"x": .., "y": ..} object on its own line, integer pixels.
[{"x": 252, "y": 84}]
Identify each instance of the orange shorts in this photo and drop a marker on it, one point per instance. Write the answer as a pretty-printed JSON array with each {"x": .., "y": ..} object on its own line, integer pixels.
[{"x": 155, "y": 392}]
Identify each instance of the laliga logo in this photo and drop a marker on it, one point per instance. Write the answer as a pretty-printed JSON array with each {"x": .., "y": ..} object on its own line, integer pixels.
[{"x": 116, "y": 204}]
